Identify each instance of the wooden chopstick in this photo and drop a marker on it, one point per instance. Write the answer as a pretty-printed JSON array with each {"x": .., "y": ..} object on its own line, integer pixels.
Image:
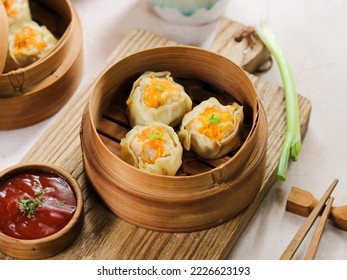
[
  {"x": 305, "y": 227},
  {"x": 312, "y": 248}
]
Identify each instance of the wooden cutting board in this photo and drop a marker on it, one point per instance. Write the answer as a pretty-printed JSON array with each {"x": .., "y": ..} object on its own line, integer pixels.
[{"x": 104, "y": 236}]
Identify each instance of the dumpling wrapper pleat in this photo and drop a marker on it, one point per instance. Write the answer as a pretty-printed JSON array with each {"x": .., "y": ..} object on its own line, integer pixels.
[
  {"x": 203, "y": 145},
  {"x": 17, "y": 10},
  {"x": 170, "y": 114},
  {"x": 166, "y": 165},
  {"x": 27, "y": 55}
]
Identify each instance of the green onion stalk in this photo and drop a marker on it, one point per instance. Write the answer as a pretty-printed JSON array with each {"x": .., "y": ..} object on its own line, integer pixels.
[{"x": 292, "y": 142}]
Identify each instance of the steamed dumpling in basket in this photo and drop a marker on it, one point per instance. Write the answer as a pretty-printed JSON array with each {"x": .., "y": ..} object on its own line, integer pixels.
[
  {"x": 17, "y": 10},
  {"x": 153, "y": 148},
  {"x": 156, "y": 97},
  {"x": 29, "y": 42},
  {"x": 212, "y": 130}
]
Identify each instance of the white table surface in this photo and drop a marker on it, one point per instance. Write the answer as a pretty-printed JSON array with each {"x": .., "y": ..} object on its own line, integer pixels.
[{"x": 314, "y": 38}]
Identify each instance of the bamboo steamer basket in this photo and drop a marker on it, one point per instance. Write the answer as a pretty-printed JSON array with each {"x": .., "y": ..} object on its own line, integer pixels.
[
  {"x": 34, "y": 93},
  {"x": 51, "y": 245},
  {"x": 204, "y": 193}
]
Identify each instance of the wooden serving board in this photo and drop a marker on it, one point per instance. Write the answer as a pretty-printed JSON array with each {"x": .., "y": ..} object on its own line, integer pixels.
[{"x": 104, "y": 236}]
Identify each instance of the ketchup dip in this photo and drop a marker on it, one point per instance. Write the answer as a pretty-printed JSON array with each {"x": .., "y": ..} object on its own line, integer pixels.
[{"x": 35, "y": 204}]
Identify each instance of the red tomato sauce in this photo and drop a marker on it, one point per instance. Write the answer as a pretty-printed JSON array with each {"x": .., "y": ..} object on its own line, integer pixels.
[{"x": 52, "y": 201}]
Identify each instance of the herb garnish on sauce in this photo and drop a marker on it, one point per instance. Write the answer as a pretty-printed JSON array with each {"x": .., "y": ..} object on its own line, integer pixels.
[{"x": 28, "y": 206}]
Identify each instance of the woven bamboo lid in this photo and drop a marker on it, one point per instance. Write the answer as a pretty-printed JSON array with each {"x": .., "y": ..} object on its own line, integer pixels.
[{"x": 3, "y": 36}]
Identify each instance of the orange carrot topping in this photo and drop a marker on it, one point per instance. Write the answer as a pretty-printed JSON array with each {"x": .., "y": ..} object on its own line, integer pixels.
[
  {"x": 215, "y": 122},
  {"x": 153, "y": 142},
  {"x": 158, "y": 92},
  {"x": 26, "y": 38},
  {"x": 10, "y": 10}
]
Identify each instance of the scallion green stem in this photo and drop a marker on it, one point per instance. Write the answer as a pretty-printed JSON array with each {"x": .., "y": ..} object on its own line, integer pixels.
[{"x": 292, "y": 142}]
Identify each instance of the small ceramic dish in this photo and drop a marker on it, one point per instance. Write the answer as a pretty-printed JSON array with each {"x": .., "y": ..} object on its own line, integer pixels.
[{"x": 38, "y": 193}]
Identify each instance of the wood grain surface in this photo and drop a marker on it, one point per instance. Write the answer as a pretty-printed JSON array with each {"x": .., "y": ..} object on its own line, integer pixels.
[
  {"x": 104, "y": 236},
  {"x": 302, "y": 202}
]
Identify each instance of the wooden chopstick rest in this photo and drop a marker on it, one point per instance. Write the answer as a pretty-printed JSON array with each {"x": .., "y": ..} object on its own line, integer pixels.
[
  {"x": 302, "y": 202},
  {"x": 305, "y": 227},
  {"x": 317, "y": 235}
]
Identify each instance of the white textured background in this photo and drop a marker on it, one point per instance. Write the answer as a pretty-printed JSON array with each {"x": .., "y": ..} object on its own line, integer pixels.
[{"x": 314, "y": 38}]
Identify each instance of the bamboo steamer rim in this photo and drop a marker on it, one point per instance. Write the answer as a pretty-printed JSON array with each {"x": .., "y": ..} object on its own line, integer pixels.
[
  {"x": 37, "y": 71},
  {"x": 213, "y": 176},
  {"x": 90, "y": 145},
  {"x": 253, "y": 98},
  {"x": 179, "y": 212},
  {"x": 50, "y": 245},
  {"x": 3, "y": 36}
]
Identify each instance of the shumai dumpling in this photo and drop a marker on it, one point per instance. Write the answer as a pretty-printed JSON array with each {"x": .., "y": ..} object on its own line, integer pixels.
[
  {"x": 17, "y": 10},
  {"x": 156, "y": 97},
  {"x": 153, "y": 148},
  {"x": 212, "y": 130},
  {"x": 29, "y": 41}
]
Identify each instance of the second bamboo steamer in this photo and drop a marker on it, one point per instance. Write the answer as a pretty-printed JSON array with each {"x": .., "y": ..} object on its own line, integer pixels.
[{"x": 36, "y": 92}]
